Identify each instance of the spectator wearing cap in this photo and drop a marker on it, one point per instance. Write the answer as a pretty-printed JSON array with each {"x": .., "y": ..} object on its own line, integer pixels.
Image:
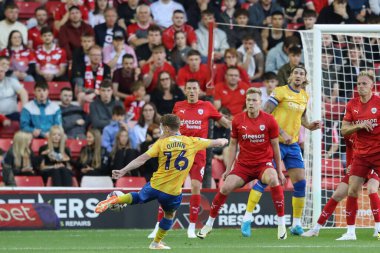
[
  {"x": 104, "y": 33},
  {"x": 113, "y": 54},
  {"x": 71, "y": 32}
]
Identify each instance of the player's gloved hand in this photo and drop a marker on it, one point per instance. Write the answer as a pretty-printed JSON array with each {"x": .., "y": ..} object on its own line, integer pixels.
[{"x": 281, "y": 178}]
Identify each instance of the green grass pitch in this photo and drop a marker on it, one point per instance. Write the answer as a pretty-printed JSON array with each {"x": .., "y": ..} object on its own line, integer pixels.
[{"x": 220, "y": 240}]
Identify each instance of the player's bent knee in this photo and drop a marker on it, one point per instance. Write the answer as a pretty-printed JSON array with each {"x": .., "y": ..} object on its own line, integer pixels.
[
  {"x": 299, "y": 188},
  {"x": 169, "y": 215}
]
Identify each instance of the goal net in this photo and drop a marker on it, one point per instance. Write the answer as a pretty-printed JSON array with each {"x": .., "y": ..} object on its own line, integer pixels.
[{"x": 334, "y": 55}]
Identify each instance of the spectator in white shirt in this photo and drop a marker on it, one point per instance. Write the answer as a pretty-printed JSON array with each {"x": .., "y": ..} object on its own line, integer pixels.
[
  {"x": 10, "y": 23},
  {"x": 162, "y": 11},
  {"x": 252, "y": 58}
]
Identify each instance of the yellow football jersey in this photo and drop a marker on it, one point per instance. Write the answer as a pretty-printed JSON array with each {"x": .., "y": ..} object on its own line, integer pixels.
[
  {"x": 290, "y": 105},
  {"x": 175, "y": 159}
]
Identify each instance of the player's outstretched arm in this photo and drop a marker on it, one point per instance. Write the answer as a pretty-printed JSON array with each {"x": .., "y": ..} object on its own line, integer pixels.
[
  {"x": 136, "y": 163},
  {"x": 349, "y": 128},
  {"x": 218, "y": 143}
]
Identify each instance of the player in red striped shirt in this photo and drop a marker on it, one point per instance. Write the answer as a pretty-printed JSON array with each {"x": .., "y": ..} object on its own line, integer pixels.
[
  {"x": 362, "y": 117},
  {"x": 257, "y": 135},
  {"x": 195, "y": 115}
]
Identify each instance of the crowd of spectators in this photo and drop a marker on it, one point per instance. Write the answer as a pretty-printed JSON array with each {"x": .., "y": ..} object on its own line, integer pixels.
[{"x": 128, "y": 60}]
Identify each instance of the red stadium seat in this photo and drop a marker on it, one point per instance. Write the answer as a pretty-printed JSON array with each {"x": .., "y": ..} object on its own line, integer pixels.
[
  {"x": 132, "y": 182},
  {"x": 29, "y": 87},
  {"x": 51, "y": 6},
  {"x": 9, "y": 131},
  {"x": 330, "y": 183},
  {"x": 50, "y": 183},
  {"x": 27, "y": 9},
  {"x": 218, "y": 168},
  {"x": 37, "y": 143},
  {"x": 29, "y": 181},
  {"x": 257, "y": 84},
  {"x": 5, "y": 144},
  {"x": 331, "y": 167},
  {"x": 75, "y": 147},
  {"x": 294, "y": 26},
  {"x": 55, "y": 89}
]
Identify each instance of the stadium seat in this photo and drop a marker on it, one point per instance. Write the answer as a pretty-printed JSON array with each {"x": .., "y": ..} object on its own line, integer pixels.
[
  {"x": 217, "y": 168},
  {"x": 5, "y": 144},
  {"x": 49, "y": 182},
  {"x": 51, "y": 6},
  {"x": 294, "y": 26},
  {"x": 75, "y": 147},
  {"x": 29, "y": 181},
  {"x": 29, "y": 87},
  {"x": 26, "y": 9},
  {"x": 96, "y": 182},
  {"x": 9, "y": 131},
  {"x": 37, "y": 143},
  {"x": 55, "y": 89},
  {"x": 131, "y": 182},
  {"x": 330, "y": 183},
  {"x": 257, "y": 84},
  {"x": 331, "y": 167}
]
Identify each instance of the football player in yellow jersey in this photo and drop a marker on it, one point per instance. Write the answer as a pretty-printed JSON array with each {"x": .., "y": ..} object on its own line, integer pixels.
[
  {"x": 288, "y": 106},
  {"x": 175, "y": 154}
]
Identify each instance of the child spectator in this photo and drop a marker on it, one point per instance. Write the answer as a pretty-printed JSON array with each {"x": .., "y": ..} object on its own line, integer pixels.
[
  {"x": 270, "y": 81},
  {"x": 109, "y": 132},
  {"x": 56, "y": 159}
]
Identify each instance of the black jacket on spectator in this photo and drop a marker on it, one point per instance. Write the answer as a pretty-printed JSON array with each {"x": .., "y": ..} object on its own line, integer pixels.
[
  {"x": 60, "y": 176},
  {"x": 166, "y": 106},
  {"x": 103, "y": 170},
  {"x": 126, "y": 13},
  {"x": 123, "y": 157},
  {"x": 78, "y": 63},
  {"x": 100, "y": 113},
  {"x": 328, "y": 16},
  {"x": 70, "y": 115},
  {"x": 193, "y": 12},
  {"x": 10, "y": 169},
  {"x": 101, "y": 33}
]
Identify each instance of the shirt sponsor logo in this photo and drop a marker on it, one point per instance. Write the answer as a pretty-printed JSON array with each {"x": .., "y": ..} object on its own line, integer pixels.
[
  {"x": 192, "y": 124},
  {"x": 372, "y": 121},
  {"x": 254, "y": 138}
]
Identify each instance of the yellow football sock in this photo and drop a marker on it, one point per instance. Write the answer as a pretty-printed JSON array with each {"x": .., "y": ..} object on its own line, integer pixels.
[
  {"x": 298, "y": 205},
  {"x": 160, "y": 234},
  {"x": 253, "y": 199},
  {"x": 125, "y": 199}
]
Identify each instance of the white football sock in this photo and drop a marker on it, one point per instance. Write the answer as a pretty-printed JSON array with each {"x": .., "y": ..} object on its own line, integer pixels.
[{"x": 210, "y": 221}]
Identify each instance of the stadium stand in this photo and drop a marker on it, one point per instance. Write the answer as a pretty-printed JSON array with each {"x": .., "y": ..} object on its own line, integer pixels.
[
  {"x": 29, "y": 181},
  {"x": 132, "y": 182}
]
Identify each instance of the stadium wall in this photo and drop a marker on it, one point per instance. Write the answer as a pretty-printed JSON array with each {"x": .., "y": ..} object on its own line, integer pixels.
[{"x": 74, "y": 208}]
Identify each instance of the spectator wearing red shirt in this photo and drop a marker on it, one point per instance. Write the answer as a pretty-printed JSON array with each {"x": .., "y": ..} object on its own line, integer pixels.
[
  {"x": 231, "y": 60},
  {"x": 138, "y": 32},
  {"x": 150, "y": 71},
  {"x": 179, "y": 25},
  {"x": 70, "y": 33},
  {"x": 51, "y": 59},
  {"x": 231, "y": 93},
  {"x": 62, "y": 13},
  {"x": 22, "y": 59},
  {"x": 124, "y": 77},
  {"x": 34, "y": 33},
  {"x": 317, "y": 5},
  {"x": 194, "y": 70}
]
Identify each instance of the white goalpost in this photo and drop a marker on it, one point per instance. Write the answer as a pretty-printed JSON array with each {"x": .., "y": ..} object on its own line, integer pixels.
[{"x": 332, "y": 84}]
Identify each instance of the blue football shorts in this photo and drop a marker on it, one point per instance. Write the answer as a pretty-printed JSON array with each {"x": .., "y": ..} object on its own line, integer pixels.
[{"x": 291, "y": 155}]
